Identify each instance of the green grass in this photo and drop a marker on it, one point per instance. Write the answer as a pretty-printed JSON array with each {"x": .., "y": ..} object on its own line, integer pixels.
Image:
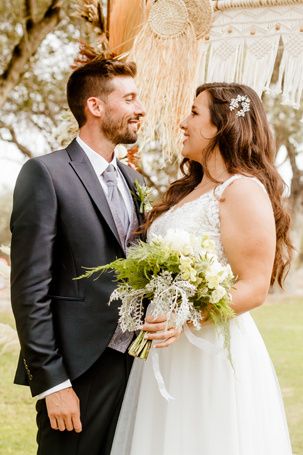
[
  {"x": 281, "y": 325},
  {"x": 17, "y": 413}
]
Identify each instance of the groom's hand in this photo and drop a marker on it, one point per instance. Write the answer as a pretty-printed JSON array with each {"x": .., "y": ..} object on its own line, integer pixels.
[
  {"x": 63, "y": 410},
  {"x": 156, "y": 329}
]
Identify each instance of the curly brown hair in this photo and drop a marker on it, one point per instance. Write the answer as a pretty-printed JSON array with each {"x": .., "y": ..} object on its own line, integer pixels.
[{"x": 247, "y": 147}]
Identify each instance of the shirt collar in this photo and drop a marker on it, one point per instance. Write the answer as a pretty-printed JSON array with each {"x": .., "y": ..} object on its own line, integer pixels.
[{"x": 97, "y": 161}]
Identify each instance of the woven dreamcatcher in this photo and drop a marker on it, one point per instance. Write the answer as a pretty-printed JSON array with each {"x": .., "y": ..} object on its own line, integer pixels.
[{"x": 166, "y": 53}]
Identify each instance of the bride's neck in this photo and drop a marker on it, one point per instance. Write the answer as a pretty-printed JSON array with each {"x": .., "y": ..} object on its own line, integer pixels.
[{"x": 216, "y": 168}]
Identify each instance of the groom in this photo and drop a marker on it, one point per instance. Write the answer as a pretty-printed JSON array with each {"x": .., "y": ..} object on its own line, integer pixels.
[{"x": 73, "y": 208}]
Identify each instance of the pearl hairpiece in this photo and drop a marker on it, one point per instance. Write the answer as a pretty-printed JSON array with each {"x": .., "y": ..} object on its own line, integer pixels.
[{"x": 242, "y": 102}]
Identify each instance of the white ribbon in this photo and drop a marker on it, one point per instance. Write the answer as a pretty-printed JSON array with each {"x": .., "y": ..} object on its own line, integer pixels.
[
  {"x": 201, "y": 343},
  {"x": 204, "y": 345},
  {"x": 158, "y": 376}
]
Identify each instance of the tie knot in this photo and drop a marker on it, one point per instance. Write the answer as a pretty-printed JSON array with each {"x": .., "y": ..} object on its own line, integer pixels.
[{"x": 110, "y": 175}]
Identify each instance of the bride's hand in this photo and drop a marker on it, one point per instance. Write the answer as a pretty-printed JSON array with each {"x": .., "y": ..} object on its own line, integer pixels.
[{"x": 156, "y": 329}]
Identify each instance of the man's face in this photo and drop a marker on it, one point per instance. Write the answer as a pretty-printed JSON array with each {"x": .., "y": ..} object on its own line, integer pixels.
[{"x": 122, "y": 112}]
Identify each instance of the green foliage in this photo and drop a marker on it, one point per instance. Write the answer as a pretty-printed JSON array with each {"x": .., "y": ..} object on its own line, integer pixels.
[
  {"x": 144, "y": 260},
  {"x": 144, "y": 196},
  {"x": 38, "y": 101},
  {"x": 285, "y": 119}
]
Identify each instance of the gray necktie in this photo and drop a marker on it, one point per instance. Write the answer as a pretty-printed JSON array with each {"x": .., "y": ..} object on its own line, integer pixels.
[
  {"x": 120, "y": 341},
  {"x": 117, "y": 205}
]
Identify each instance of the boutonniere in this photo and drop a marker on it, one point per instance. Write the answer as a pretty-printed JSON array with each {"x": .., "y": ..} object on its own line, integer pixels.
[{"x": 143, "y": 195}]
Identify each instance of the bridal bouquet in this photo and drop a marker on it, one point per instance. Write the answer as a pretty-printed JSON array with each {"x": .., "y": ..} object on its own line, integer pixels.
[{"x": 180, "y": 275}]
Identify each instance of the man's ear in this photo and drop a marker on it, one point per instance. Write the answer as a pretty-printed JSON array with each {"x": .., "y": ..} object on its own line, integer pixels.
[{"x": 95, "y": 106}]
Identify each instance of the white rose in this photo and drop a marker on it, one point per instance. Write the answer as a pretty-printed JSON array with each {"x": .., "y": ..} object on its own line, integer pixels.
[
  {"x": 208, "y": 244},
  {"x": 214, "y": 274},
  {"x": 179, "y": 240},
  {"x": 188, "y": 273},
  {"x": 227, "y": 273},
  {"x": 217, "y": 294}
]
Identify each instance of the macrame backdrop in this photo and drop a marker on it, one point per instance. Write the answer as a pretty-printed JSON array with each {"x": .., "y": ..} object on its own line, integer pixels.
[
  {"x": 243, "y": 45},
  {"x": 233, "y": 41}
]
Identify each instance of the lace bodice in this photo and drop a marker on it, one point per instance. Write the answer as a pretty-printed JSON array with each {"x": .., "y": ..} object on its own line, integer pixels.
[{"x": 198, "y": 217}]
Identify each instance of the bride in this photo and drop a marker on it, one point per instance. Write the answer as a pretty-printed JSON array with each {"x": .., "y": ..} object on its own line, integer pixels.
[{"x": 232, "y": 191}]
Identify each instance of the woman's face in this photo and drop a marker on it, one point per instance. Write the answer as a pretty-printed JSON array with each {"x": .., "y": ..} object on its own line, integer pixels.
[{"x": 197, "y": 128}]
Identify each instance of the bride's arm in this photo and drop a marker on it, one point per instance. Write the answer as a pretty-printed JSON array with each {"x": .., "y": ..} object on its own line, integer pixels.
[{"x": 249, "y": 240}]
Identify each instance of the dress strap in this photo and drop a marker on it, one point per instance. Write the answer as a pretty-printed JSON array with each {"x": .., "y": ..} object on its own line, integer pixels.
[{"x": 219, "y": 190}]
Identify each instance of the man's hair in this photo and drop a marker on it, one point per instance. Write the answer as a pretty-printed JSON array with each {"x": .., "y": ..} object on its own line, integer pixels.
[{"x": 93, "y": 79}]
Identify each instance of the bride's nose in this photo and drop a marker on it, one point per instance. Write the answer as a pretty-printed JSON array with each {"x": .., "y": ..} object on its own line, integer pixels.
[{"x": 183, "y": 124}]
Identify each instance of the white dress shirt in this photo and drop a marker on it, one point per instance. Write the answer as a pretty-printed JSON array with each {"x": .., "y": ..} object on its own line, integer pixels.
[{"x": 99, "y": 164}]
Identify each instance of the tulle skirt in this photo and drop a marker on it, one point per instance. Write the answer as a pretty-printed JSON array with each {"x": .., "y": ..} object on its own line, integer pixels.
[{"x": 219, "y": 407}]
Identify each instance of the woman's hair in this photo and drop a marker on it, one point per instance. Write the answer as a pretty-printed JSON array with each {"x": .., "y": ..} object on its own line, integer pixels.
[{"x": 247, "y": 147}]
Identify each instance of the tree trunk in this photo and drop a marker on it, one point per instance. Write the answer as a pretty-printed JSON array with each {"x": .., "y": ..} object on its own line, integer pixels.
[
  {"x": 27, "y": 47},
  {"x": 293, "y": 282}
]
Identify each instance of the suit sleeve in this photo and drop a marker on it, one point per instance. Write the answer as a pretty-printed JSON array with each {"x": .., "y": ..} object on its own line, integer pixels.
[{"x": 33, "y": 226}]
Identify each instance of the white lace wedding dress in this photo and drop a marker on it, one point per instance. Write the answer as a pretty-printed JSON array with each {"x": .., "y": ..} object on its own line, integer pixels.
[{"x": 217, "y": 409}]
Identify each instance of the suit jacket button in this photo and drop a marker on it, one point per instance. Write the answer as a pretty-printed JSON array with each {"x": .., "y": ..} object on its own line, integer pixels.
[{"x": 30, "y": 376}]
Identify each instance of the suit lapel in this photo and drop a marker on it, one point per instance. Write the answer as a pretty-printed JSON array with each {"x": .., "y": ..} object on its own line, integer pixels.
[
  {"x": 127, "y": 174},
  {"x": 85, "y": 172}
]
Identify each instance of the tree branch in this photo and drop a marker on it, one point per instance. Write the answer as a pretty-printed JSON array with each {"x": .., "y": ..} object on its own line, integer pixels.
[
  {"x": 14, "y": 140},
  {"x": 296, "y": 188},
  {"x": 282, "y": 162},
  {"x": 30, "y": 9},
  {"x": 292, "y": 153},
  {"x": 108, "y": 18},
  {"x": 27, "y": 47},
  {"x": 46, "y": 133}
]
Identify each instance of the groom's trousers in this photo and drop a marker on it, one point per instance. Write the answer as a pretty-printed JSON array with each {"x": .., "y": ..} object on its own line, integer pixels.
[{"x": 100, "y": 391}]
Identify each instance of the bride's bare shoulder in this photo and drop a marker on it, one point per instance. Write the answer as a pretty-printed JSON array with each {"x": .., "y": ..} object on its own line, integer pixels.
[
  {"x": 245, "y": 188},
  {"x": 245, "y": 201}
]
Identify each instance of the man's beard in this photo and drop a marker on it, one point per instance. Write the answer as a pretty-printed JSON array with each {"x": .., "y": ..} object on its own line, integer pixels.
[{"x": 118, "y": 131}]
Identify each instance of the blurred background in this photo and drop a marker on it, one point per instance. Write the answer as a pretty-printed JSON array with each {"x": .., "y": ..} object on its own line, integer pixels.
[{"x": 39, "y": 42}]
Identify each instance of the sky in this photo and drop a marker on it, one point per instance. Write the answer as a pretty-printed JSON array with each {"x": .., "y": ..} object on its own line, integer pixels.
[
  {"x": 10, "y": 164},
  {"x": 11, "y": 159}
]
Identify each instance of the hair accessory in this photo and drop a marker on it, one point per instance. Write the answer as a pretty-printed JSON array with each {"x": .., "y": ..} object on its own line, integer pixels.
[{"x": 242, "y": 102}]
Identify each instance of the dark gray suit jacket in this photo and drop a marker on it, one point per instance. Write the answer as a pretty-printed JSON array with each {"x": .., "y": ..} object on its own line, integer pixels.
[{"x": 61, "y": 222}]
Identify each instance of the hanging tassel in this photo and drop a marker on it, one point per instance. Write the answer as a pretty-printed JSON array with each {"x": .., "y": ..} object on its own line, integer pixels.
[
  {"x": 259, "y": 61},
  {"x": 204, "y": 47},
  {"x": 166, "y": 53},
  {"x": 290, "y": 80},
  {"x": 126, "y": 20},
  {"x": 225, "y": 60}
]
